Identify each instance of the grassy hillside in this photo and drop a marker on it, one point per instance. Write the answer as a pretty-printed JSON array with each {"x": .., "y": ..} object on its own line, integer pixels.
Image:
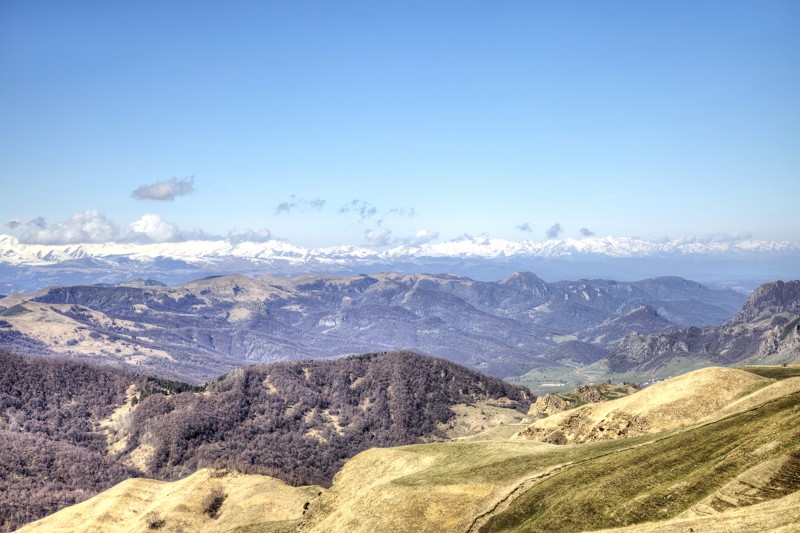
[
  {"x": 208, "y": 501},
  {"x": 670, "y": 404},
  {"x": 775, "y": 372},
  {"x": 529, "y": 486},
  {"x": 736, "y": 461},
  {"x": 662, "y": 478}
]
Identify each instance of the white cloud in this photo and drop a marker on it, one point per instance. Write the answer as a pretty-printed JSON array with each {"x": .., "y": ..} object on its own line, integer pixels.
[
  {"x": 383, "y": 237},
  {"x": 166, "y": 190},
  {"x": 151, "y": 228},
  {"x": 88, "y": 226},
  {"x": 378, "y": 237},
  {"x": 92, "y": 226},
  {"x": 586, "y": 232},
  {"x": 716, "y": 237},
  {"x": 423, "y": 236}
]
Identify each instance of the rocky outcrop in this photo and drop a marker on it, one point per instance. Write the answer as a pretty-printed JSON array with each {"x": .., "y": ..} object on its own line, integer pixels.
[
  {"x": 551, "y": 404},
  {"x": 767, "y": 325}
]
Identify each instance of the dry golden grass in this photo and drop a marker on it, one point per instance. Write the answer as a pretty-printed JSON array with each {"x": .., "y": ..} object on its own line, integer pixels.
[
  {"x": 62, "y": 334},
  {"x": 670, "y": 404},
  {"x": 256, "y": 503},
  {"x": 470, "y": 420}
]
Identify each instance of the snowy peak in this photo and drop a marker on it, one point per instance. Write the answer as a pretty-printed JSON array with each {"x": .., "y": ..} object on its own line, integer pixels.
[
  {"x": 29, "y": 267},
  {"x": 14, "y": 252}
]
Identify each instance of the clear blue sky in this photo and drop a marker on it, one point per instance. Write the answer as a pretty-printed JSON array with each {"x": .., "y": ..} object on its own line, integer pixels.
[{"x": 645, "y": 119}]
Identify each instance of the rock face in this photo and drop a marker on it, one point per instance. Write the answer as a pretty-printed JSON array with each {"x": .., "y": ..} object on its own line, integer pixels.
[
  {"x": 551, "y": 404},
  {"x": 767, "y": 327},
  {"x": 771, "y": 299},
  {"x": 201, "y": 329}
]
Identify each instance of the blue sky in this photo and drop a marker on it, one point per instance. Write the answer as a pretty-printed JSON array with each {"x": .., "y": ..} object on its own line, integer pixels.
[{"x": 648, "y": 119}]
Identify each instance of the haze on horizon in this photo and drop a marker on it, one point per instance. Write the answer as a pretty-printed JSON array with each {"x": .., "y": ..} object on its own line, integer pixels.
[{"x": 384, "y": 124}]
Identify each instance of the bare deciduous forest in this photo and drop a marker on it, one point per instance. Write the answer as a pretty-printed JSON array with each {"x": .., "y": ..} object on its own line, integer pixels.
[{"x": 296, "y": 421}]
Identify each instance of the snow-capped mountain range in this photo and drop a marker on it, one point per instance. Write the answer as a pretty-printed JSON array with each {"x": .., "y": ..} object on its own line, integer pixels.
[
  {"x": 29, "y": 266},
  {"x": 198, "y": 252}
]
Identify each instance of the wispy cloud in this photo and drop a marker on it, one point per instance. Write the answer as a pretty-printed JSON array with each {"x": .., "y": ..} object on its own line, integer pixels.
[
  {"x": 363, "y": 210},
  {"x": 586, "y": 232},
  {"x": 237, "y": 235},
  {"x": 166, "y": 190},
  {"x": 554, "y": 231},
  {"x": 716, "y": 237},
  {"x": 299, "y": 204},
  {"x": 525, "y": 226},
  {"x": 402, "y": 212},
  {"x": 15, "y": 223},
  {"x": 381, "y": 237}
]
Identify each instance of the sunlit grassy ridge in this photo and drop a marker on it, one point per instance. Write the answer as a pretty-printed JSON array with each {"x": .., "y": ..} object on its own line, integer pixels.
[
  {"x": 520, "y": 485},
  {"x": 775, "y": 372},
  {"x": 246, "y": 503},
  {"x": 659, "y": 479}
]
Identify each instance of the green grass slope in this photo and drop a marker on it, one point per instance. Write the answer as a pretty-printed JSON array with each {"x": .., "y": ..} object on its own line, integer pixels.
[
  {"x": 662, "y": 478},
  {"x": 746, "y": 457}
]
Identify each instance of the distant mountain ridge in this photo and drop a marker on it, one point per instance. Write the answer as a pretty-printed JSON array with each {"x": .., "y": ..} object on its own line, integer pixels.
[
  {"x": 33, "y": 266},
  {"x": 765, "y": 330},
  {"x": 209, "y": 326}
]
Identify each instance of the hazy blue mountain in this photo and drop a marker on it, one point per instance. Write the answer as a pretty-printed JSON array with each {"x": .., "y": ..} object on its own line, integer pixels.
[{"x": 202, "y": 328}]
